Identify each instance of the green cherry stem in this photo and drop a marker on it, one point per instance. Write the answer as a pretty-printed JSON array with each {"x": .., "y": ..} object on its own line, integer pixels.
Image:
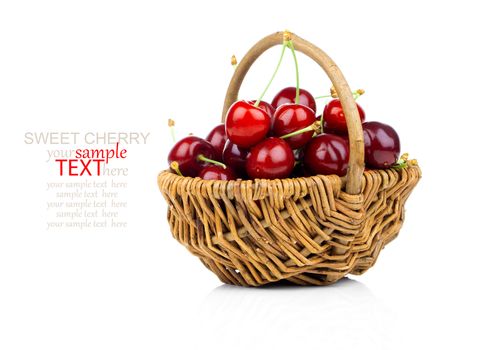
[
  {"x": 176, "y": 167},
  {"x": 316, "y": 127},
  {"x": 323, "y": 96},
  {"x": 212, "y": 161},
  {"x": 321, "y": 123},
  {"x": 404, "y": 162},
  {"x": 291, "y": 46},
  {"x": 356, "y": 94},
  {"x": 401, "y": 164},
  {"x": 272, "y": 78}
]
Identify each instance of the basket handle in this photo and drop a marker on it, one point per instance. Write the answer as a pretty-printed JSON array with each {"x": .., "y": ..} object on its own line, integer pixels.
[{"x": 355, "y": 131}]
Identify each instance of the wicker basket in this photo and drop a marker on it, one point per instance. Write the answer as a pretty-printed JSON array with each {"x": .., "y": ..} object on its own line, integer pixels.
[{"x": 310, "y": 231}]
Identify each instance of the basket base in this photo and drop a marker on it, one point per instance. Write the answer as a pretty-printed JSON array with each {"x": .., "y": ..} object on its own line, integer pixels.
[{"x": 256, "y": 233}]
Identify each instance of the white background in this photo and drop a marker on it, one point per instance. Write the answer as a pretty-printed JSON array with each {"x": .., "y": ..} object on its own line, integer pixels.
[{"x": 98, "y": 65}]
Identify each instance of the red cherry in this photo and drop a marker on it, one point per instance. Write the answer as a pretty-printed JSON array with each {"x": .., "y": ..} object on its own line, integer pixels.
[
  {"x": 290, "y": 117},
  {"x": 327, "y": 154},
  {"x": 334, "y": 120},
  {"x": 235, "y": 157},
  {"x": 381, "y": 145},
  {"x": 186, "y": 153},
  {"x": 246, "y": 125},
  {"x": 270, "y": 159},
  {"x": 265, "y": 106},
  {"x": 217, "y": 137},
  {"x": 214, "y": 172},
  {"x": 288, "y": 95}
]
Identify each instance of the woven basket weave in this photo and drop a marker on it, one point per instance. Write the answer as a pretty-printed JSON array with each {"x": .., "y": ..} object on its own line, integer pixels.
[{"x": 310, "y": 231}]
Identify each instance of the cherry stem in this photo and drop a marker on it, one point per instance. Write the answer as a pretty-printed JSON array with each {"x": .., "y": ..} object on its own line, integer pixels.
[
  {"x": 400, "y": 164},
  {"x": 356, "y": 94},
  {"x": 272, "y": 78},
  {"x": 234, "y": 61},
  {"x": 171, "y": 125},
  {"x": 323, "y": 96},
  {"x": 316, "y": 127},
  {"x": 176, "y": 167},
  {"x": 212, "y": 161},
  {"x": 404, "y": 162},
  {"x": 321, "y": 123},
  {"x": 291, "y": 46}
]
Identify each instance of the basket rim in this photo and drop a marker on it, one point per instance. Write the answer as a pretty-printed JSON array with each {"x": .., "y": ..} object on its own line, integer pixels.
[
  {"x": 343, "y": 178},
  {"x": 252, "y": 181},
  {"x": 339, "y": 183}
]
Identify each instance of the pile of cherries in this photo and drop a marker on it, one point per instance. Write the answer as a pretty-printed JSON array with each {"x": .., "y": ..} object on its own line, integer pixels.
[{"x": 281, "y": 139}]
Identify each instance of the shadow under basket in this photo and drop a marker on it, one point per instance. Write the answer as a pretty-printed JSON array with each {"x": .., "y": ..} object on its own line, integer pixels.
[{"x": 309, "y": 231}]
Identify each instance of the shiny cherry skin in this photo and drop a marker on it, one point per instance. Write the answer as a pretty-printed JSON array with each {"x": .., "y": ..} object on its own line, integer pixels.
[
  {"x": 246, "y": 125},
  {"x": 292, "y": 117},
  {"x": 334, "y": 120},
  {"x": 186, "y": 153},
  {"x": 214, "y": 172},
  {"x": 235, "y": 158},
  {"x": 217, "y": 137},
  {"x": 265, "y": 106},
  {"x": 270, "y": 159},
  {"x": 288, "y": 95},
  {"x": 381, "y": 145},
  {"x": 327, "y": 154}
]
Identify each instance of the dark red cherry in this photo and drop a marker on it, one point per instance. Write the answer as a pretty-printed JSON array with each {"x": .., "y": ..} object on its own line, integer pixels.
[
  {"x": 327, "y": 154},
  {"x": 270, "y": 159},
  {"x": 299, "y": 154},
  {"x": 265, "y": 106},
  {"x": 288, "y": 95},
  {"x": 217, "y": 137},
  {"x": 334, "y": 120},
  {"x": 235, "y": 157},
  {"x": 381, "y": 145},
  {"x": 186, "y": 153},
  {"x": 291, "y": 117},
  {"x": 214, "y": 172},
  {"x": 300, "y": 170},
  {"x": 246, "y": 125}
]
